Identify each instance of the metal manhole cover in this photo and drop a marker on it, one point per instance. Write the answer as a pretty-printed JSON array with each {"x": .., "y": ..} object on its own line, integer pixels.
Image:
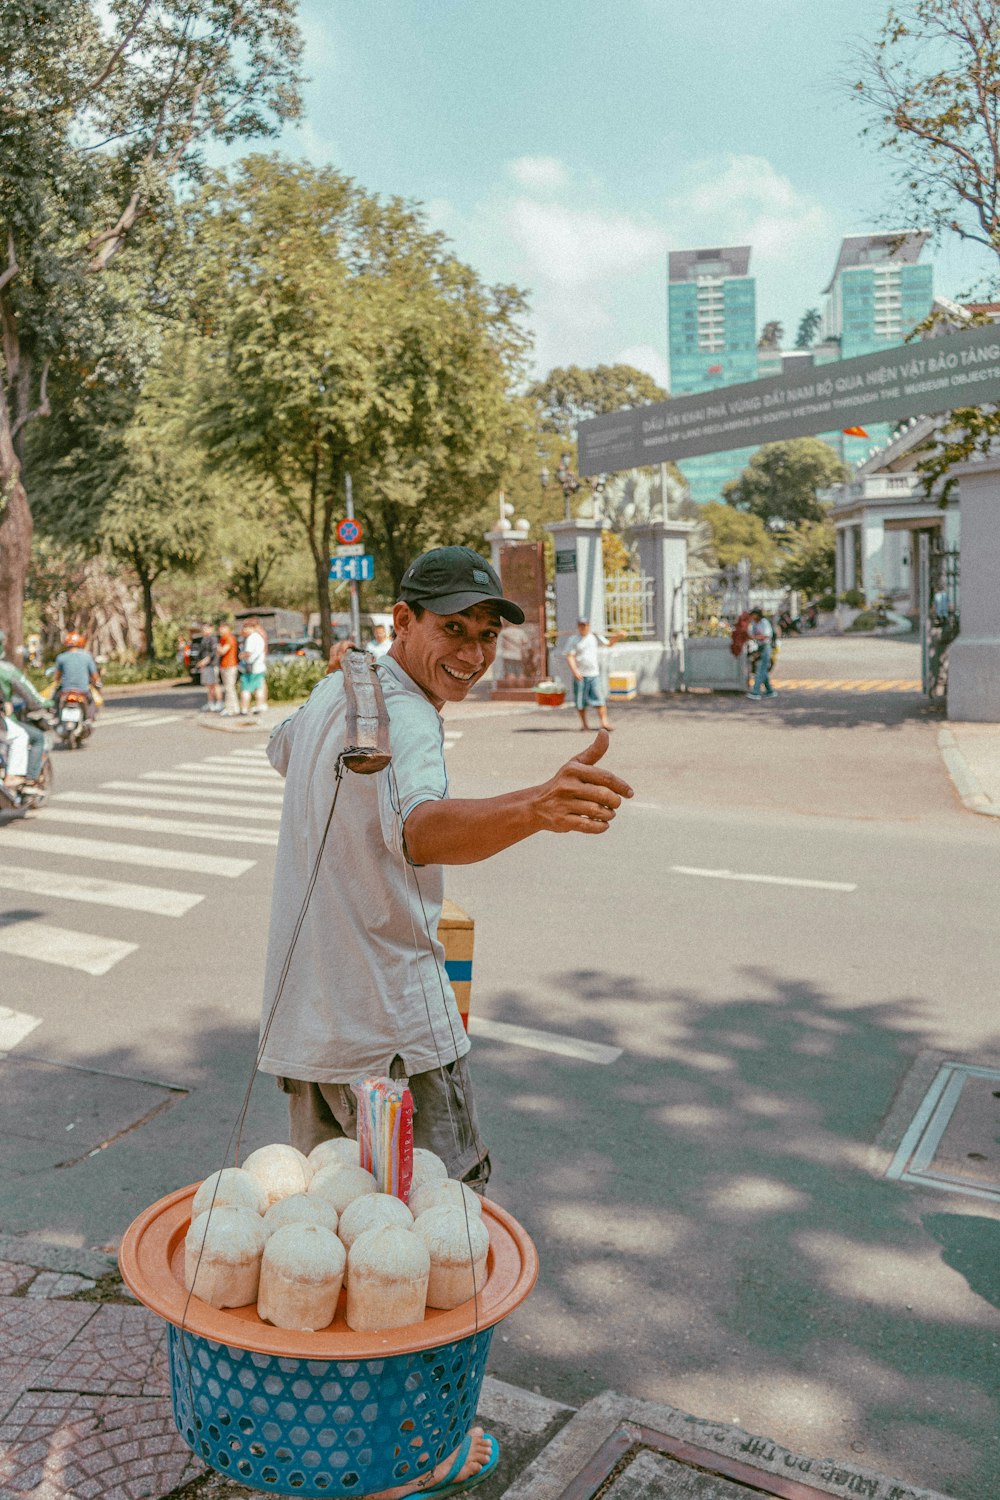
[
  {"x": 953, "y": 1141},
  {"x": 640, "y": 1463}
]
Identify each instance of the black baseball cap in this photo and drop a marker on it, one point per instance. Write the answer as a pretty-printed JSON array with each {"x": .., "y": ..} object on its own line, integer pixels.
[{"x": 447, "y": 580}]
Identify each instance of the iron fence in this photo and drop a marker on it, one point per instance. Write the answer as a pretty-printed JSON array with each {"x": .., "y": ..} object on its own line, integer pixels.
[{"x": 628, "y": 604}]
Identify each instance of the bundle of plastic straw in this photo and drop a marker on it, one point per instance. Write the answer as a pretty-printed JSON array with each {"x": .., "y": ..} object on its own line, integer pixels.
[{"x": 385, "y": 1133}]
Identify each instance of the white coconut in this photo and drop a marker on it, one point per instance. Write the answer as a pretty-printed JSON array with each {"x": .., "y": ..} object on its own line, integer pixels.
[
  {"x": 458, "y": 1247},
  {"x": 341, "y": 1148},
  {"x": 229, "y": 1188},
  {"x": 300, "y": 1208},
  {"x": 340, "y": 1184},
  {"x": 301, "y": 1275},
  {"x": 280, "y": 1170},
  {"x": 222, "y": 1254},
  {"x": 427, "y": 1167},
  {"x": 434, "y": 1194},
  {"x": 387, "y": 1274},
  {"x": 371, "y": 1210}
]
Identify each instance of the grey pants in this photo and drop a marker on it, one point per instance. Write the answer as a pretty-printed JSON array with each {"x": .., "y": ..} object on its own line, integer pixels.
[{"x": 444, "y": 1117}]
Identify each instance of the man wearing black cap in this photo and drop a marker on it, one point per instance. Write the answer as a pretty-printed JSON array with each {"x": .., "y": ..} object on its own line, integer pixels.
[{"x": 365, "y": 991}]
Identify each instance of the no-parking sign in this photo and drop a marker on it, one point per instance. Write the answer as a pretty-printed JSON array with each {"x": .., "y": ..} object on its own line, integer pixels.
[{"x": 349, "y": 531}]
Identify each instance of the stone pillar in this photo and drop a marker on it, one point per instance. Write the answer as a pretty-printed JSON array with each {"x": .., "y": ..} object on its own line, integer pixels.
[
  {"x": 498, "y": 538},
  {"x": 663, "y": 547},
  {"x": 974, "y": 659},
  {"x": 839, "y": 572},
  {"x": 579, "y": 585}
]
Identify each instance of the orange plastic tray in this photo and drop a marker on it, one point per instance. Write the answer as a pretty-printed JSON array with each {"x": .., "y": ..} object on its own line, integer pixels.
[{"x": 152, "y": 1266}]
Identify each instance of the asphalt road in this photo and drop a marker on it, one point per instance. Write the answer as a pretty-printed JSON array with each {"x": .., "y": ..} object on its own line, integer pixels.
[{"x": 702, "y": 1162}]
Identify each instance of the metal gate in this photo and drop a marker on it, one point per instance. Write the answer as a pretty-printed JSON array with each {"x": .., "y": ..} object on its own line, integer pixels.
[
  {"x": 938, "y": 580},
  {"x": 710, "y": 604}
]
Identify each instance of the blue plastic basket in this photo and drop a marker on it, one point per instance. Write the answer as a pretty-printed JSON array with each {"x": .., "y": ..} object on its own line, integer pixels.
[{"x": 324, "y": 1427}]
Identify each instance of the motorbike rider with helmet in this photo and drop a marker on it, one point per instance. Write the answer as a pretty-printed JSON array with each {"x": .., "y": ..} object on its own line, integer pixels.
[
  {"x": 25, "y": 741},
  {"x": 76, "y": 671}
]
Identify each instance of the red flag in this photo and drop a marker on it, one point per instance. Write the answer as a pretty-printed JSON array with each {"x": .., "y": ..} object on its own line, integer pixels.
[
  {"x": 714, "y": 370},
  {"x": 854, "y": 432}
]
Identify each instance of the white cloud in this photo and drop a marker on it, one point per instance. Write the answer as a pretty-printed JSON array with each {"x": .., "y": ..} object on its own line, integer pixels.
[
  {"x": 578, "y": 247},
  {"x": 645, "y": 357},
  {"x": 540, "y": 173}
]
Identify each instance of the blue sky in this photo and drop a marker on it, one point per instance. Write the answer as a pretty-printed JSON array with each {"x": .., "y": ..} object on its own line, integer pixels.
[{"x": 567, "y": 145}]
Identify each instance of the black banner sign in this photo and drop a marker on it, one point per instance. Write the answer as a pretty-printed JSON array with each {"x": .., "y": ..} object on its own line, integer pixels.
[{"x": 912, "y": 380}]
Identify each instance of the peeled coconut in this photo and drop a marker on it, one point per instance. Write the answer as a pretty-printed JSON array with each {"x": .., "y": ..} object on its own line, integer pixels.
[
  {"x": 371, "y": 1210},
  {"x": 300, "y": 1208},
  {"x": 340, "y": 1184},
  {"x": 229, "y": 1188},
  {"x": 341, "y": 1149},
  {"x": 434, "y": 1194},
  {"x": 388, "y": 1271},
  {"x": 222, "y": 1254},
  {"x": 458, "y": 1247},
  {"x": 280, "y": 1170},
  {"x": 427, "y": 1167},
  {"x": 301, "y": 1274}
]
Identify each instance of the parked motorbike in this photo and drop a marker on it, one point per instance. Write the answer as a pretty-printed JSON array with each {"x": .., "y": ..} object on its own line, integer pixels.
[
  {"x": 20, "y": 798},
  {"x": 790, "y": 624},
  {"x": 72, "y": 724}
]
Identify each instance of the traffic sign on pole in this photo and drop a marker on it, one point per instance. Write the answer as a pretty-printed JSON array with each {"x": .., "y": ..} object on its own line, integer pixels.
[
  {"x": 349, "y": 530},
  {"x": 353, "y": 569},
  {"x": 350, "y": 549}
]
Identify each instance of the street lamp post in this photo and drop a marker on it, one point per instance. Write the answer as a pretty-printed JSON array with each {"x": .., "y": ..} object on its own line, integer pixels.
[{"x": 570, "y": 485}]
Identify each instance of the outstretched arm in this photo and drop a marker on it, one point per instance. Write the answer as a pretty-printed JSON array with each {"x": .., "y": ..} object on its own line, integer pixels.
[{"x": 579, "y": 798}]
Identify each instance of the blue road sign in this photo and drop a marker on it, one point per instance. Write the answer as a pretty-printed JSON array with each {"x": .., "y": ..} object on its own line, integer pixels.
[{"x": 358, "y": 569}]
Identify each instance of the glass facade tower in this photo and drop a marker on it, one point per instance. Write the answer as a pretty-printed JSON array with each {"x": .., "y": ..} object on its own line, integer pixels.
[
  {"x": 712, "y": 340},
  {"x": 876, "y": 296}
]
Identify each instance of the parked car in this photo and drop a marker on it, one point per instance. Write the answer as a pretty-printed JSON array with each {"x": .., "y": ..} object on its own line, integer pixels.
[{"x": 301, "y": 647}]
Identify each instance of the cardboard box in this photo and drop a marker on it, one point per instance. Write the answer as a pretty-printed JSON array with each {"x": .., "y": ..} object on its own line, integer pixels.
[
  {"x": 622, "y": 686},
  {"x": 457, "y": 932}
]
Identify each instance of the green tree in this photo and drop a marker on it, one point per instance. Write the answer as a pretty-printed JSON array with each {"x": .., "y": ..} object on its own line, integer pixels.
[
  {"x": 736, "y": 534},
  {"x": 339, "y": 336},
  {"x": 771, "y": 335},
  {"x": 809, "y": 325},
  {"x": 568, "y": 395},
  {"x": 808, "y": 558},
  {"x": 102, "y": 107},
  {"x": 930, "y": 88},
  {"x": 781, "y": 482}
]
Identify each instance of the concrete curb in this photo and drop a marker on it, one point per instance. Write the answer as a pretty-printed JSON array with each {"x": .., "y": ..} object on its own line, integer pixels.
[
  {"x": 966, "y": 785},
  {"x": 579, "y": 1441},
  {"x": 46, "y": 1257}
]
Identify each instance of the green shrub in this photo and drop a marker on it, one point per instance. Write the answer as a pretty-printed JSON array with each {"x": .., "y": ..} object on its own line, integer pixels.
[
  {"x": 293, "y": 679},
  {"x": 118, "y": 673},
  {"x": 866, "y": 620},
  {"x": 853, "y": 598},
  {"x": 827, "y": 602}
]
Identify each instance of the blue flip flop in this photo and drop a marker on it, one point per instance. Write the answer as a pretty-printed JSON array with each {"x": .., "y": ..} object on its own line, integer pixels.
[{"x": 450, "y": 1485}]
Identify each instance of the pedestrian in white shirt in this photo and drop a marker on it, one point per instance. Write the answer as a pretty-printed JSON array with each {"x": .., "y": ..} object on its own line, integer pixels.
[
  {"x": 581, "y": 653},
  {"x": 253, "y": 667}
]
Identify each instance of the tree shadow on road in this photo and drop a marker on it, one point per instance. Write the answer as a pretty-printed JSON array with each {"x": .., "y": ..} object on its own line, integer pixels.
[{"x": 716, "y": 1229}]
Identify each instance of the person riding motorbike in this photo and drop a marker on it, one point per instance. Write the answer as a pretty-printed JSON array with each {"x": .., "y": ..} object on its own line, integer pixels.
[
  {"x": 25, "y": 741},
  {"x": 76, "y": 671}
]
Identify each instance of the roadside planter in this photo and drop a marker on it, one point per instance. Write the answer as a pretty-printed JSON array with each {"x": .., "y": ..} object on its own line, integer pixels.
[
  {"x": 328, "y": 1413},
  {"x": 550, "y": 694},
  {"x": 710, "y": 663}
]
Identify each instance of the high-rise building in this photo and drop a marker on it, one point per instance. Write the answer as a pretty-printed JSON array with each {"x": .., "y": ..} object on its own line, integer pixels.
[
  {"x": 712, "y": 339},
  {"x": 878, "y": 293}
]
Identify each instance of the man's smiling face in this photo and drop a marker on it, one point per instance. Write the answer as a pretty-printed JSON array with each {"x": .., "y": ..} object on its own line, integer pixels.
[{"x": 446, "y": 654}]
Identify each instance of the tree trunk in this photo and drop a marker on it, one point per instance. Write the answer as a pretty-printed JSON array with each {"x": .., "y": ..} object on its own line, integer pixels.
[
  {"x": 147, "y": 580},
  {"x": 15, "y": 539},
  {"x": 322, "y": 566}
]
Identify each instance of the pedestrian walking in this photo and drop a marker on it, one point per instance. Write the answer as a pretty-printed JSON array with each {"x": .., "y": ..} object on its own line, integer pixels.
[
  {"x": 581, "y": 654},
  {"x": 381, "y": 643},
  {"x": 253, "y": 667},
  {"x": 762, "y": 634},
  {"x": 229, "y": 666},
  {"x": 208, "y": 670}
]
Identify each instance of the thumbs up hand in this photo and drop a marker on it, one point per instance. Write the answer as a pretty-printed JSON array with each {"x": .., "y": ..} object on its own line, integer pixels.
[{"x": 581, "y": 797}]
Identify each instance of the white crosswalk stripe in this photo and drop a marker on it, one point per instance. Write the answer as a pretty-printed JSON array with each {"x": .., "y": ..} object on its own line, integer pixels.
[
  {"x": 15, "y": 1025},
  {"x": 32, "y": 841},
  {"x": 57, "y": 945},
  {"x": 145, "y": 824},
  {"x": 119, "y": 893},
  {"x": 222, "y": 769},
  {"x": 140, "y": 721},
  {"x": 227, "y": 762},
  {"x": 187, "y": 784},
  {"x": 164, "y": 804}
]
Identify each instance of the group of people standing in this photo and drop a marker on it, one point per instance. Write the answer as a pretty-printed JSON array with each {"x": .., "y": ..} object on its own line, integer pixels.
[{"x": 226, "y": 662}]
